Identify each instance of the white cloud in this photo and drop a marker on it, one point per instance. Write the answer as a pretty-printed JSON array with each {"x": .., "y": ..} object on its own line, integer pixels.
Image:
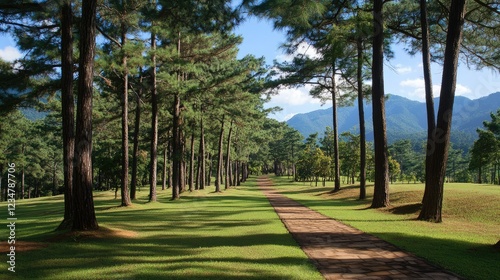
[
  {"x": 416, "y": 89},
  {"x": 400, "y": 69},
  {"x": 294, "y": 97},
  {"x": 289, "y": 116},
  {"x": 302, "y": 49},
  {"x": 9, "y": 53},
  {"x": 415, "y": 83},
  {"x": 462, "y": 90}
]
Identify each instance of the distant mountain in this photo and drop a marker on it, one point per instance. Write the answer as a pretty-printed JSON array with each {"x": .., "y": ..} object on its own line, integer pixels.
[{"x": 405, "y": 119}]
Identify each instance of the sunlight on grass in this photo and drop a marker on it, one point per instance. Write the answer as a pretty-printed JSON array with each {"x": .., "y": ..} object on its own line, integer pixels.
[
  {"x": 204, "y": 235},
  {"x": 463, "y": 243}
]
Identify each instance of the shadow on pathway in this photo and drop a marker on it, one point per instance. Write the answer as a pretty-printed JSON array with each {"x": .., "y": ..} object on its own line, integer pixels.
[{"x": 342, "y": 252}]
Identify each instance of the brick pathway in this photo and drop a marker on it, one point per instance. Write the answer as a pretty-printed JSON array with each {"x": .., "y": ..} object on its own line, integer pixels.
[{"x": 342, "y": 252}]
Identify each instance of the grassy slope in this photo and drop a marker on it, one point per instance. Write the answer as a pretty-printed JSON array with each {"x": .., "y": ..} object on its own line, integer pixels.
[
  {"x": 235, "y": 234},
  {"x": 462, "y": 243}
]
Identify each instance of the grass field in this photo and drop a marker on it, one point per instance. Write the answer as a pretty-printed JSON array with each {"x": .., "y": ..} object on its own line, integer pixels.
[
  {"x": 463, "y": 243},
  {"x": 237, "y": 235},
  {"x": 205, "y": 235}
]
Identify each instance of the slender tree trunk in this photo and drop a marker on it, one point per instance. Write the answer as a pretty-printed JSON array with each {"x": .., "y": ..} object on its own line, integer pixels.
[
  {"x": 84, "y": 214},
  {"x": 170, "y": 182},
  {"x": 170, "y": 166},
  {"x": 176, "y": 149},
  {"x": 210, "y": 165},
  {"x": 228, "y": 157},
  {"x": 202, "y": 155},
  {"x": 429, "y": 98},
  {"x": 381, "y": 190},
  {"x": 432, "y": 205},
  {"x": 236, "y": 173},
  {"x": 219, "y": 158},
  {"x": 191, "y": 164},
  {"x": 125, "y": 196},
  {"x": 135, "y": 151},
  {"x": 362, "y": 131},
  {"x": 336, "y": 165},
  {"x": 183, "y": 176},
  {"x": 154, "y": 124},
  {"x": 67, "y": 111},
  {"x": 164, "y": 172}
]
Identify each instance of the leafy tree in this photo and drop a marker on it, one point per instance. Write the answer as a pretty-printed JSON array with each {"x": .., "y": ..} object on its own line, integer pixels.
[
  {"x": 349, "y": 155},
  {"x": 485, "y": 150}
]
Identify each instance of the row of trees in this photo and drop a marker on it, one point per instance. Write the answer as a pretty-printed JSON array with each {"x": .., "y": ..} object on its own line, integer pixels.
[
  {"x": 171, "y": 64},
  {"x": 353, "y": 37}
]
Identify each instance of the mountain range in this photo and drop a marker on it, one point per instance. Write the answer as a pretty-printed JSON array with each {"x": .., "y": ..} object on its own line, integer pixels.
[{"x": 405, "y": 119}]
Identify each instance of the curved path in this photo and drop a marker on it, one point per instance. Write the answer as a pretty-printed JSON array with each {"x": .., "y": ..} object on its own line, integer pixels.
[{"x": 342, "y": 252}]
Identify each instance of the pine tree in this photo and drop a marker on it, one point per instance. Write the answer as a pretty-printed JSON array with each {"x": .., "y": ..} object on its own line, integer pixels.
[{"x": 84, "y": 214}]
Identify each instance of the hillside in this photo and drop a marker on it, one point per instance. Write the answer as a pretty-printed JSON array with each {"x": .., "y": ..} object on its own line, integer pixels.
[{"x": 406, "y": 119}]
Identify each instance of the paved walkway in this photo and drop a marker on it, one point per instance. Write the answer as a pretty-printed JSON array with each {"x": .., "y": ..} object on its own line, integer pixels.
[{"x": 342, "y": 252}]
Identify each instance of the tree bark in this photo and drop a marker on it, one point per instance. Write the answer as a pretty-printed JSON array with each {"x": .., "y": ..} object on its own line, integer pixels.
[
  {"x": 202, "y": 155},
  {"x": 84, "y": 214},
  {"x": 164, "y": 172},
  {"x": 135, "y": 149},
  {"x": 432, "y": 205},
  {"x": 183, "y": 175},
  {"x": 381, "y": 190},
  {"x": 191, "y": 164},
  {"x": 219, "y": 158},
  {"x": 125, "y": 195},
  {"x": 68, "y": 111},
  {"x": 176, "y": 149},
  {"x": 154, "y": 124},
  {"x": 336, "y": 165},
  {"x": 429, "y": 98},
  {"x": 362, "y": 130},
  {"x": 227, "y": 179},
  {"x": 210, "y": 166}
]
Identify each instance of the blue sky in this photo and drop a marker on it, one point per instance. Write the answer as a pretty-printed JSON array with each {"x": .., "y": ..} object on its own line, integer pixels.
[{"x": 403, "y": 74}]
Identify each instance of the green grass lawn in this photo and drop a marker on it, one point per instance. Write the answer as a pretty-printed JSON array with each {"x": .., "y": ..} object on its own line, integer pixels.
[
  {"x": 231, "y": 235},
  {"x": 463, "y": 243}
]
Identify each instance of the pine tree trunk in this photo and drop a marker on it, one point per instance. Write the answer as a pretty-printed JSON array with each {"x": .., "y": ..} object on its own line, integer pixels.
[
  {"x": 68, "y": 111},
  {"x": 170, "y": 167},
  {"x": 84, "y": 214},
  {"x": 135, "y": 149},
  {"x": 228, "y": 157},
  {"x": 362, "y": 130},
  {"x": 191, "y": 164},
  {"x": 236, "y": 173},
  {"x": 429, "y": 98},
  {"x": 125, "y": 196},
  {"x": 432, "y": 206},
  {"x": 381, "y": 190},
  {"x": 210, "y": 169},
  {"x": 154, "y": 124},
  {"x": 202, "y": 156},
  {"x": 164, "y": 172},
  {"x": 219, "y": 158},
  {"x": 183, "y": 176},
  {"x": 176, "y": 149},
  {"x": 335, "y": 135}
]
